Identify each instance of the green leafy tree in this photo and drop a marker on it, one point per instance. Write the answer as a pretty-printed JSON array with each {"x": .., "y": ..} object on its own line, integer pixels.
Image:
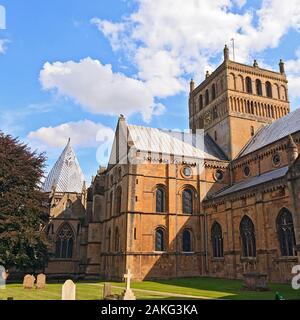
[{"x": 23, "y": 244}]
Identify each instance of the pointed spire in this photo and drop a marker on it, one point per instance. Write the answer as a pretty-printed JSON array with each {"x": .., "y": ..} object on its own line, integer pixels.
[
  {"x": 66, "y": 174},
  {"x": 292, "y": 150},
  {"x": 226, "y": 53}
]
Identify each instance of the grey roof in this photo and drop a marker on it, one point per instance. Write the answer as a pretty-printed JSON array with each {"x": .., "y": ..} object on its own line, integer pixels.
[
  {"x": 66, "y": 175},
  {"x": 176, "y": 143},
  {"x": 274, "y": 131},
  {"x": 254, "y": 181}
]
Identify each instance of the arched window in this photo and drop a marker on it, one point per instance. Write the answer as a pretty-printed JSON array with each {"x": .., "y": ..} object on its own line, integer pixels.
[
  {"x": 160, "y": 200},
  {"x": 111, "y": 203},
  {"x": 213, "y": 92},
  {"x": 64, "y": 242},
  {"x": 248, "y": 237},
  {"x": 109, "y": 240},
  {"x": 186, "y": 241},
  {"x": 217, "y": 240},
  {"x": 117, "y": 240},
  {"x": 206, "y": 97},
  {"x": 269, "y": 89},
  {"x": 286, "y": 234},
  {"x": 159, "y": 239},
  {"x": 249, "y": 85},
  {"x": 200, "y": 102},
  {"x": 118, "y": 200},
  {"x": 187, "y": 201},
  {"x": 258, "y": 87}
]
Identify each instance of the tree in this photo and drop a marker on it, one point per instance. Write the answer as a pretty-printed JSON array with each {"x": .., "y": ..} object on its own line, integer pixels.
[{"x": 23, "y": 244}]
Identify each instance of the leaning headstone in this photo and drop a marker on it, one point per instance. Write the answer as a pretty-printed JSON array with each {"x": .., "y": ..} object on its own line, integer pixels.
[
  {"x": 28, "y": 282},
  {"x": 106, "y": 290},
  {"x": 68, "y": 291},
  {"x": 128, "y": 293},
  {"x": 41, "y": 281}
]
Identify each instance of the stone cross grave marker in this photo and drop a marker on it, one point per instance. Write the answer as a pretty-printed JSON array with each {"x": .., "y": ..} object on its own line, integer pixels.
[
  {"x": 68, "y": 291},
  {"x": 28, "y": 282},
  {"x": 127, "y": 278},
  {"x": 41, "y": 281},
  {"x": 128, "y": 293}
]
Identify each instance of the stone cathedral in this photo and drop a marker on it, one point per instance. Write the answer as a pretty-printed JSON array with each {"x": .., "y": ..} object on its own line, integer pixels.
[{"x": 222, "y": 208}]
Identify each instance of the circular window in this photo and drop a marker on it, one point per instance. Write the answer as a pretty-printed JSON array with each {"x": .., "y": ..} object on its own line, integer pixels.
[
  {"x": 219, "y": 175},
  {"x": 187, "y": 171},
  {"x": 247, "y": 171},
  {"x": 276, "y": 159}
]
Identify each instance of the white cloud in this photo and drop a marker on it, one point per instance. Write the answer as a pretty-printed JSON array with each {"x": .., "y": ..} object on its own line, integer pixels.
[
  {"x": 172, "y": 38},
  {"x": 293, "y": 72},
  {"x": 98, "y": 89},
  {"x": 83, "y": 134},
  {"x": 3, "y": 46}
]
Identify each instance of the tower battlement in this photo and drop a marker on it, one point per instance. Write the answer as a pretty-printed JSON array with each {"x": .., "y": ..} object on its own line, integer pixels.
[{"x": 233, "y": 102}]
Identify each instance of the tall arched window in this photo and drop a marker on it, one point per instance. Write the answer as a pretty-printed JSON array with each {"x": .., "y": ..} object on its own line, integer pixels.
[
  {"x": 64, "y": 242},
  {"x": 187, "y": 201},
  {"x": 217, "y": 240},
  {"x": 269, "y": 89},
  {"x": 159, "y": 239},
  {"x": 249, "y": 85},
  {"x": 206, "y": 97},
  {"x": 186, "y": 241},
  {"x": 118, "y": 200},
  {"x": 109, "y": 240},
  {"x": 117, "y": 240},
  {"x": 111, "y": 203},
  {"x": 248, "y": 237},
  {"x": 200, "y": 102},
  {"x": 258, "y": 87},
  {"x": 213, "y": 92},
  {"x": 286, "y": 234},
  {"x": 160, "y": 200}
]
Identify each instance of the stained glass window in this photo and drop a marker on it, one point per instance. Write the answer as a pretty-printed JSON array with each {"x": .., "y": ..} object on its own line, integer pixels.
[
  {"x": 286, "y": 234},
  {"x": 217, "y": 240},
  {"x": 64, "y": 242},
  {"x": 186, "y": 241},
  {"x": 187, "y": 201},
  {"x": 248, "y": 237},
  {"x": 159, "y": 240}
]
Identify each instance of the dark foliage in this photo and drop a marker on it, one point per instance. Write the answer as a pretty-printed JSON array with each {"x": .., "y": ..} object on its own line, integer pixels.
[{"x": 23, "y": 245}]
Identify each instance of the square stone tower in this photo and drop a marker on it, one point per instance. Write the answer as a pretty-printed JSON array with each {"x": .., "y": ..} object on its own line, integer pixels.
[{"x": 235, "y": 101}]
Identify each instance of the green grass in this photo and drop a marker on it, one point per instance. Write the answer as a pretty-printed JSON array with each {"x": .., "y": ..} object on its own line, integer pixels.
[{"x": 198, "y": 287}]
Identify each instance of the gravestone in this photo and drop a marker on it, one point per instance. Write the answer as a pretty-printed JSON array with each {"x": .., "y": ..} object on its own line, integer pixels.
[
  {"x": 107, "y": 290},
  {"x": 255, "y": 281},
  {"x": 68, "y": 291},
  {"x": 128, "y": 293},
  {"x": 3, "y": 277},
  {"x": 28, "y": 282},
  {"x": 41, "y": 281}
]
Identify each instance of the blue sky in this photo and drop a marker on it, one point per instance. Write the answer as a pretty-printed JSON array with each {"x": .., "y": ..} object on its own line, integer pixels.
[{"x": 69, "y": 68}]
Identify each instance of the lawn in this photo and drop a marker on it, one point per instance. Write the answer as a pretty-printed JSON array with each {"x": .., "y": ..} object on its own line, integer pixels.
[{"x": 170, "y": 289}]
